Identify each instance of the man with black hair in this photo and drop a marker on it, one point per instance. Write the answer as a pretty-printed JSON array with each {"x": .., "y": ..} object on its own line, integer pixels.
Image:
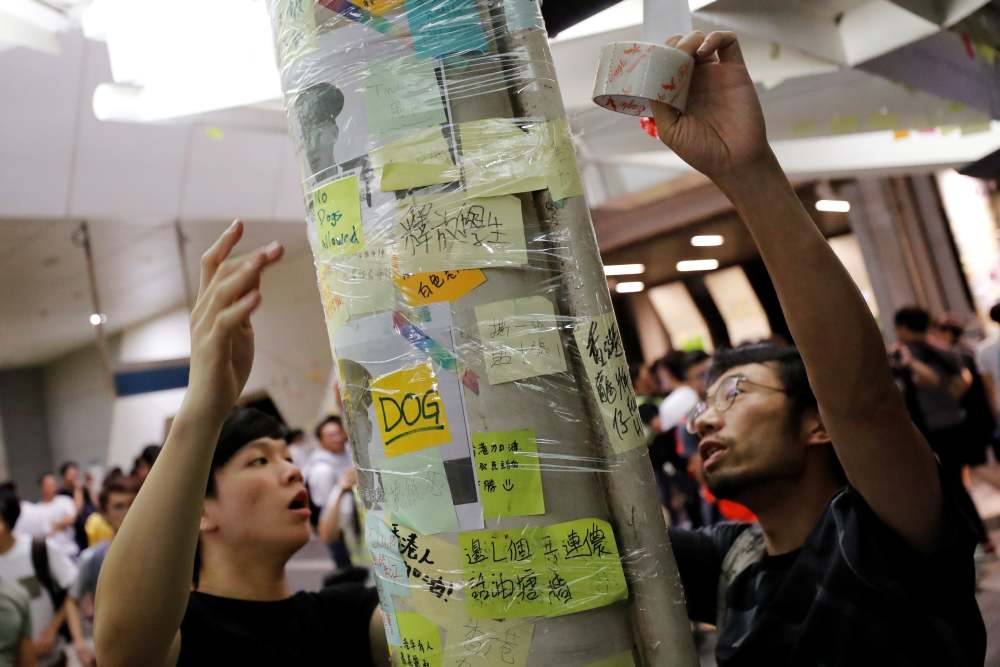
[
  {"x": 43, "y": 571},
  {"x": 73, "y": 488},
  {"x": 224, "y": 509},
  {"x": 327, "y": 465},
  {"x": 689, "y": 370},
  {"x": 860, "y": 556}
]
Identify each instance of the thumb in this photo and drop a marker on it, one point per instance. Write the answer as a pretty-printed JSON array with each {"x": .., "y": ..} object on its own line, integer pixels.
[{"x": 666, "y": 117}]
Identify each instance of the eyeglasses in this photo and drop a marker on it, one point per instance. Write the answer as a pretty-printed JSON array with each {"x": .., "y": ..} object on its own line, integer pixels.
[{"x": 723, "y": 398}]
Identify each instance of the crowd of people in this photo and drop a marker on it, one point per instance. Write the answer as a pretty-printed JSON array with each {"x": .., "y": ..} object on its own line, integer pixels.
[{"x": 816, "y": 495}]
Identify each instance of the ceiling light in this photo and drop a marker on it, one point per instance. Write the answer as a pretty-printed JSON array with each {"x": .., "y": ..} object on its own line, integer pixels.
[
  {"x": 698, "y": 265},
  {"x": 624, "y": 269},
  {"x": 629, "y": 288},
  {"x": 707, "y": 241},
  {"x": 833, "y": 206},
  {"x": 98, "y": 318}
]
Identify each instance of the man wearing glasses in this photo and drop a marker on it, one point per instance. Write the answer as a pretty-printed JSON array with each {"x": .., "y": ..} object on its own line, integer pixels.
[{"x": 860, "y": 556}]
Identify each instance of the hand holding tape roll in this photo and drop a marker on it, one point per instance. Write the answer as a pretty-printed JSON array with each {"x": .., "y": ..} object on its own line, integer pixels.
[{"x": 633, "y": 75}]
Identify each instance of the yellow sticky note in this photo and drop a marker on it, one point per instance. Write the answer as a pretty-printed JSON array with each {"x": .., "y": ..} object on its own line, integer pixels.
[
  {"x": 883, "y": 121},
  {"x": 357, "y": 285},
  {"x": 845, "y": 125},
  {"x": 473, "y": 642},
  {"x": 620, "y": 660},
  {"x": 415, "y": 161},
  {"x": 499, "y": 158},
  {"x": 552, "y": 570},
  {"x": 296, "y": 28},
  {"x": 410, "y": 411},
  {"x": 337, "y": 212},
  {"x": 421, "y": 289},
  {"x": 378, "y": 7},
  {"x": 804, "y": 128},
  {"x": 451, "y": 232},
  {"x": 520, "y": 339},
  {"x": 600, "y": 346},
  {"x": 975, "y": 127},
  {"x": 562, "y": 171},
  {"x": 434, "y": 573},
  {"x": 401, "y": 94},
  {"x": 420, "y": 643},
  {"x": 508, "y": 470}
]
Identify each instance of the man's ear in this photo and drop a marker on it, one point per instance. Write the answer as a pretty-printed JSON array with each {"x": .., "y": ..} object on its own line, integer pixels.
[
  {"x": 813, "y": 430},
  {"x": 208, "y": 523}
]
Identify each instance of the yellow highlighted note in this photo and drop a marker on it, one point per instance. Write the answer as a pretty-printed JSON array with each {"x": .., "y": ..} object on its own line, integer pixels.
[
  {"x": 474, "y": 642},
  {"x": 520, "y": 339},
  {"x": 410, "y": 411},
  {"x": 421, "y": 289},
  {"x": 337, "y": 212},
  {"x": 416, "y": 161},
  {"x": 421, "y": 641},
  {"x": 507, "y": 467}
]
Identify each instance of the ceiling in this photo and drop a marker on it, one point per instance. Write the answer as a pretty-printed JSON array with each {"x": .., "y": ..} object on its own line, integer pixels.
[{"x": 132, "y": 181}]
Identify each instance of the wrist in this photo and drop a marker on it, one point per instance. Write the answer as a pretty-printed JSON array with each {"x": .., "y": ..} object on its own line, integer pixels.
[{"x": 749, "y": 177}]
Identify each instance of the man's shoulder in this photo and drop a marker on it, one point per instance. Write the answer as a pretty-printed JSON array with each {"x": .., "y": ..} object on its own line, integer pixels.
[{"x": 716, "y": 539}]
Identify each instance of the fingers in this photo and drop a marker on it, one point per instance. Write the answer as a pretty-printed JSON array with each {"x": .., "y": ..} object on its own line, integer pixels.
[
  {"x": 237, "y": 277},
  {"x": 691, "y": 42},
  {"x": 721, "y": 44},
  {"x": 232, "y": 318},
  {"x": 674, "y": 40},
  {"x": 217, "y": 253}
]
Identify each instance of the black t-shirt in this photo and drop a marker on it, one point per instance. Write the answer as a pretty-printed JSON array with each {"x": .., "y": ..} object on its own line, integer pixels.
[
  {"x": 854, "y": 594},
  {"x": 325, "y": 628}
]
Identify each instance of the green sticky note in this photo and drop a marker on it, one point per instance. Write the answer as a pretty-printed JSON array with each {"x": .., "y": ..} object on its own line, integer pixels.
[
  {"x": 845, "y": 125},
  {"x": 295, "y": 22},
  {"x": 402, "y": 94},
  {"x": 510, "y": 479},
  {"x": 415, "y": 161},
  {"x": 621, "y": 660},
  {"x": 337, "y": 212},
  {"x": 450, "y": 232},
  {"x": 883, "y": 121},
  {"x": 478, "y": 642},
  {"x": 561, "y": 171},
  {"x": 520, "y": 339},
  {"x": 552, "y": 570},
  {"x": 499, "y": 158},
  {"x": 600, "y": 346},
  {"x": 420, "y": 640},
  {"x": 417, "y": 493}
]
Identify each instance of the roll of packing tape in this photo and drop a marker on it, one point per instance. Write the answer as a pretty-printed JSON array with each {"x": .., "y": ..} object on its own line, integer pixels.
[{"x": 632, "y": 75}]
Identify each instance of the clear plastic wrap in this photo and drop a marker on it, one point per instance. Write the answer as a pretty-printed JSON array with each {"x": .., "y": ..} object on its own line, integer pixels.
[{"x": 510, "y": 512}]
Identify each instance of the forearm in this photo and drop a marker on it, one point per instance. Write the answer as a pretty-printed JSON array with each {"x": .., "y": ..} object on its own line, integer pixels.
[
  {"x": 73, "y": 620},
  {"x": 152, "y": 556},
  {"x": 826, "y": 314},
  {"x": 26, "y": 653}
]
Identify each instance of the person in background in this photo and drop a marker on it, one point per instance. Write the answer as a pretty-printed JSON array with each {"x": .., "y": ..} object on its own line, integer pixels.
[
  {"x": 688, "y": 371},
  {"x": 644, "y": 382},
  {"x": 115, "y": 500},
  {"x": 665, "y": 380},
  {"x": 298, "y": 447},
  {"x": 43, "y": 571},
  {"x": 860, "y": 556},
  {"x": 72, "y": 487},
  {"x": 51, "y": 518},
  {"x": 327, "y": 464},
  {"x": 223, "y": 510},
  {"x": 16, "y": 649},
  {"x": 988, "y": 361},
  {"x": 144, "y": 462},
  {"x": 98, "y": 527}
]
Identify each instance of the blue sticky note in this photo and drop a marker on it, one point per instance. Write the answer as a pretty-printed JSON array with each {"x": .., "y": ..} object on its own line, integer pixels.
[
  {"x": 387, "y": 563},
  {"x": 444, "y": 27}
]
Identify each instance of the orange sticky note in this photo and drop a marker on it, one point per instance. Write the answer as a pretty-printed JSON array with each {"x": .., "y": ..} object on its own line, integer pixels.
[{"x": 421, "y": 289}]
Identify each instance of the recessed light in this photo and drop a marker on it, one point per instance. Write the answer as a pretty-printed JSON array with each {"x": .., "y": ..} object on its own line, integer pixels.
[
  {"x": 833, "y": 206},
  {"x": 624, "y": 269},
  {"x": 698, "y": 265},
  {"x": 630, "y": 288},
  {"x": 98, "y": 318},
  {"x": 707, "y": 240}
]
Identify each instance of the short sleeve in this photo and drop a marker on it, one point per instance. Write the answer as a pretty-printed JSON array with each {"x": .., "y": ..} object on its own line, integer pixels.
[
  {"x": 63, "y": 570},
  {"x": 699, "y": 555}
]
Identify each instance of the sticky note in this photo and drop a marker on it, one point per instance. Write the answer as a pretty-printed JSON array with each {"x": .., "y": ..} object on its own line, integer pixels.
[
  {"x": 388, "y": 608},
  {"x": 421, "y": 641},
  {"x": 499, "y": 158},
  {"x": 378, "y": 7},
  {"x": 442, "y": 29},
  {"x": 415, "y": 161},
  {"x": 845, "y": 125},
  {"x": 620, "y": 660},
  {"x": 552, "y": 570},
  {"x": 600, "y": 346},
  {"x": 402, "y": 94},
  {"x": 510, "y": 479},
  {"x": 520, "y": 339},
  {"x": 296, "y": 28},
  {"x": 417, "y": 493},
  {"x": 337, "y": 212},
  {"x": 387, "y": 564},
  {"x": 409, "y": 410},
  {"x": 420, "y": 289},
  {"x": 478, "y": 642},
  {"x": 435, "y": 574},
  {"x": 883, "y": 121},
  {"x": 447, "y": 231},
  {"x": 354, "y": 286},
  {"x": 561, "y": 169}
]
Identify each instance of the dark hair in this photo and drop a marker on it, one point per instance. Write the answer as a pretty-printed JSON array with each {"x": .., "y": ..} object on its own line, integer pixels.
[
  {"x": 120, "y": 484},
  {"x": 791, "y": 373},
  {"x": 913, "y": 318},
  {"x": 694, "y": 357},
  {"x": 293, "y": 435},
  {"x": 674, "y": 363},
  {"x": 66, "y": 466},
  {"x": 242, "y": 426},
  {"x": 648, "y": 412},
  {"x": 10, "y": 505},
  {"x": 149, "y": 454},
  {"x": 995, "y": 312},
  {"x": 41, "y": 478},
  {"x": 330, "y": 419}
]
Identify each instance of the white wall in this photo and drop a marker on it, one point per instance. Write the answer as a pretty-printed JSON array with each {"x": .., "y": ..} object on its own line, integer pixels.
[{"x": 292, "y": 364}]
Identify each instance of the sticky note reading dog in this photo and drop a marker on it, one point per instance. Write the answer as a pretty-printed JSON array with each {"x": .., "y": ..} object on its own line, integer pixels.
[{"x": 410, "y": 411}]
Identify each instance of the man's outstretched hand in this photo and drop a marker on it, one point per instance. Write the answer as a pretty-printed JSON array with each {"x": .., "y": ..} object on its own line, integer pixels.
[
  {"x": 222, "y": 341},
  {"x": 722, "y": 130}
]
